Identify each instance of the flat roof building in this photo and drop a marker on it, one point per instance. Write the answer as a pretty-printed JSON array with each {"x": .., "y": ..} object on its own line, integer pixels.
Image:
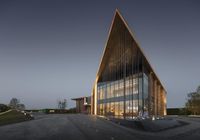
[
  {"x": 126, "y": 85},
  {"x": 83, "y": 105}
]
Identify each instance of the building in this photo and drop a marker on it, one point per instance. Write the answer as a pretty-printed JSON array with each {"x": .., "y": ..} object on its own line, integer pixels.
[
  {"x": 126, "y": 85},
  {"x": 83, "y": 104}
]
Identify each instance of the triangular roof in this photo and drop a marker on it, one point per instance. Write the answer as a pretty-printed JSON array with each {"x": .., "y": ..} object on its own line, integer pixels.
[{"x": 117, "y": 15}]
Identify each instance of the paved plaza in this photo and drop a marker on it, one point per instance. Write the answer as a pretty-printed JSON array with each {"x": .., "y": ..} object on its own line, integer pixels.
[{"x": 87, "y": 127}]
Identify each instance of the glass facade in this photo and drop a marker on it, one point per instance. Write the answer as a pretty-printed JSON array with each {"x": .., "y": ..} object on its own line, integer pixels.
[
  {"x": 126, "y": 85},
  {"x": 111, "y": 100}
]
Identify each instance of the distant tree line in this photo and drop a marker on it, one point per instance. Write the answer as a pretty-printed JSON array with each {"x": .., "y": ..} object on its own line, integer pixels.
[
  {"x": 4, "y": 108},
  {"x": 178, "y": 111}
]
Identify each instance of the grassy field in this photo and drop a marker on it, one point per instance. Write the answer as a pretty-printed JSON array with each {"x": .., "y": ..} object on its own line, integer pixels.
[{"x": 12, "y": 117}]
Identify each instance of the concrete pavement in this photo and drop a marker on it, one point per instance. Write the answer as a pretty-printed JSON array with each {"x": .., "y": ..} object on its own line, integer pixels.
[
  {"x": 82, "y": 127},
  {"x": 66, "y": 127}
]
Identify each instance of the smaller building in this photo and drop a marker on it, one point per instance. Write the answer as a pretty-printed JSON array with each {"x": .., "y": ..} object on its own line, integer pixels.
[{"x": 83, "y": 104}]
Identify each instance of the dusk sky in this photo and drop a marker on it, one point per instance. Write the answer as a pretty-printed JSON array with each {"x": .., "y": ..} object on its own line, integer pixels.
[{"x": 51, "y": 50}]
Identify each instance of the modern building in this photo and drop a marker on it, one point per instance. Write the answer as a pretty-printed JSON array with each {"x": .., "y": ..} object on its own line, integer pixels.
[
  {"x": 126, "y": 85},
  {"x": 83, "y": 104}
]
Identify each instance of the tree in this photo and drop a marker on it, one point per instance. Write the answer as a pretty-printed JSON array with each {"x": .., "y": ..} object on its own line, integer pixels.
[
  {"x": 198, "y": 89},
  {"x": 62, "y": 104},
  {"x": 15, "y": 104},
  {"x": 193, "y": 102}
]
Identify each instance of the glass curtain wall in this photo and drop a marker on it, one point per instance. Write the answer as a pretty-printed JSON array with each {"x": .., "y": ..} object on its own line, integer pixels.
[
  {"x": 111, "y": 97},
  {"x": 122, "y": 87}
]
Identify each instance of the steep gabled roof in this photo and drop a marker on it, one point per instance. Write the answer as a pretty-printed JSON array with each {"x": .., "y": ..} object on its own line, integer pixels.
[{"x": 103, "y": 58}]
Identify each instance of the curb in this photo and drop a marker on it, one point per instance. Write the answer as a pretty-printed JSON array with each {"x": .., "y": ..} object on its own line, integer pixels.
[{"x": 5, "y": 112}]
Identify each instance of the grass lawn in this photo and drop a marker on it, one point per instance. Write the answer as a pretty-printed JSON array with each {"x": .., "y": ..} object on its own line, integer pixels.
[{"x": 12, "y": 117}]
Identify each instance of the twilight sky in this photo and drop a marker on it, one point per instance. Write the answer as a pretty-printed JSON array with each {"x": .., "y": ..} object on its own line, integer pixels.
[{"x": 50, "y": 50}]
